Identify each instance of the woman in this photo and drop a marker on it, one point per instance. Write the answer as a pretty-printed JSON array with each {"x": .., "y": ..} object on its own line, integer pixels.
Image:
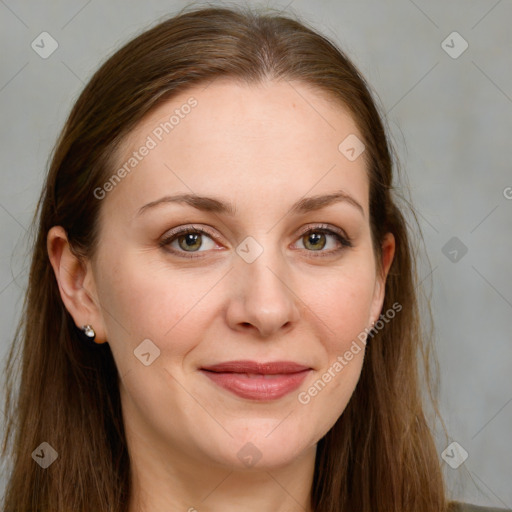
[{"x": 221, "y": 311}]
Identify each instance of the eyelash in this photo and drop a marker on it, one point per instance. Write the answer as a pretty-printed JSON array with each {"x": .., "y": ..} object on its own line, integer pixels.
[{"x": 342, "y": 239}]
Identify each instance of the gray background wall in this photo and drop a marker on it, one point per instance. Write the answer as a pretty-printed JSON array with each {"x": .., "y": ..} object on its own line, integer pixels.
[{"x": 451, "y": 120}]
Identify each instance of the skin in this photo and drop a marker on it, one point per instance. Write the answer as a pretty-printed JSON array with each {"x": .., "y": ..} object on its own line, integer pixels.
[{"x": 261, "y": 148}]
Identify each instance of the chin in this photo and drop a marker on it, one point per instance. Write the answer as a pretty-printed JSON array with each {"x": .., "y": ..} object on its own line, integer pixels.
[{"x": 263, "y": 449}]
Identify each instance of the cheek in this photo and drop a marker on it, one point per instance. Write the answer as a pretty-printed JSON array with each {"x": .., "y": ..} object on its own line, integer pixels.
[
  {"x": 344, "y": 306},
  {"x": 142, "y": 300},
  {"x": 342, "y": 314}
]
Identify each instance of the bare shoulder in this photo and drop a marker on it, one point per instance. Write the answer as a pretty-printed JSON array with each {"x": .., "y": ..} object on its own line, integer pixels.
[{"x": 456, "y": 506}]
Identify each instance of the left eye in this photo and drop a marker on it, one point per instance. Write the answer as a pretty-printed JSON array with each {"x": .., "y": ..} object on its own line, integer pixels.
[
  {"x": 190, "y": 241},
  {"x": 317, "y": 239}
]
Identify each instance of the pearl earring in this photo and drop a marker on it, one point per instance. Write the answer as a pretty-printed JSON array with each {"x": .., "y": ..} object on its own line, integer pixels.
[{"x": 88, "y": 331}]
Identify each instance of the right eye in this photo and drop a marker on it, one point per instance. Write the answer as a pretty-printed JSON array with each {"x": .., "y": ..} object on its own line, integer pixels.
[{"x": 187, "y": 239}]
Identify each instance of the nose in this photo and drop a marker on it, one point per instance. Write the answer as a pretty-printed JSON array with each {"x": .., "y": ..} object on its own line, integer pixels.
[{"x": 262, "y": 298}]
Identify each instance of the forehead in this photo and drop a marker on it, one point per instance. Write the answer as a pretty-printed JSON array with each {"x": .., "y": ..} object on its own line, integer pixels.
[{"x": 237, "y": 139}]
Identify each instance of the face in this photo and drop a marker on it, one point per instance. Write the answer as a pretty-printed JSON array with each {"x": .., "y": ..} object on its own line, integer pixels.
[{"x": 262, "y": 269}]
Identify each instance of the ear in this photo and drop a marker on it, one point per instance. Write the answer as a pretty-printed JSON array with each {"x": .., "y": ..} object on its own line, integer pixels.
[
  {"x": 76, "y": 283},
  {"x": 388, "y": 252}
]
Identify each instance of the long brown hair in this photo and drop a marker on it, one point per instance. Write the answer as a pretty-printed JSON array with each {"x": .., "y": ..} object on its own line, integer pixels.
[{"x": 379, "y": 455}]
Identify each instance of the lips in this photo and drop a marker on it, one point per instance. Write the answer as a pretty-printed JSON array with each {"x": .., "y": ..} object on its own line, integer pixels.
[
  {"x": 269, "y": 368},
  {"x": 257, "y": 381}
]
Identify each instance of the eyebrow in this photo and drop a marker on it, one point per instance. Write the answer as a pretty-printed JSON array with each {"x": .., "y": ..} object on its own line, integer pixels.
[{"x": 210, "y": 204}]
